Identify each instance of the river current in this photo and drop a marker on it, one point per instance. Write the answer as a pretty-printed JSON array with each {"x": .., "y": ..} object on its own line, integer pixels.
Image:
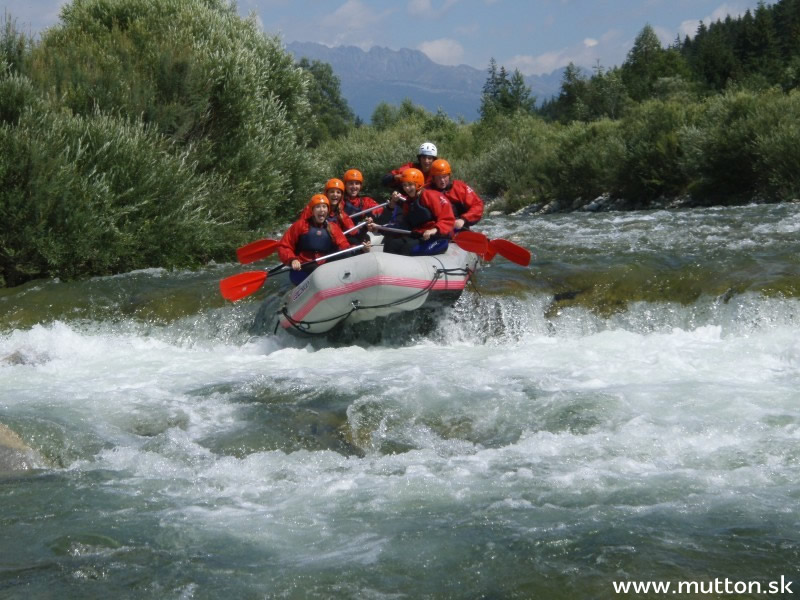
[{"x": 626, "y": 409}]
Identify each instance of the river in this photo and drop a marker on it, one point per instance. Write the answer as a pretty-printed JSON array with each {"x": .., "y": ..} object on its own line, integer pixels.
[{"x": 626, "y": 409}]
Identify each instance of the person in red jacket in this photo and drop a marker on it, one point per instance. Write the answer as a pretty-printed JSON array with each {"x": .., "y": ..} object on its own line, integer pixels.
[
  {"x": 353, "y": 200},
  {"x": 426, "y": 212},
  {"x": 311, "y": 237},
  {"x": 467, "y": 205},
  {"x": 426, "y": 154},
  {"x": 334, "y": 190}
]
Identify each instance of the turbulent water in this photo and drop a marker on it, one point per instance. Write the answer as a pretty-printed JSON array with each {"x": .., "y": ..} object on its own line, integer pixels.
[{"x": 626, "y": 409}]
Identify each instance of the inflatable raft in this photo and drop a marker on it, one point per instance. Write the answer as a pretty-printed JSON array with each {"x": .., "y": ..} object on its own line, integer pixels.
[{"x": 374, "y": 284}]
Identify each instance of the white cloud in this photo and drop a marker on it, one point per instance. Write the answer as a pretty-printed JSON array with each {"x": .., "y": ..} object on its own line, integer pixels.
[
  {"x": 584, "y": 54},
  {"x": 424, "y": 8},
  {"x": 443, "y": 51},
  {"x": 665, "y": 36},
  {"x": 352, "y": 20},
  {"x": 467, "y": 29},
  {"x": 353, "y": 15},
  {"x": 689, "y": 27},
  {"x": 420, "y": 7},
  {"x": 723, "y": 10},
  {"x": 536, "y": 65}
]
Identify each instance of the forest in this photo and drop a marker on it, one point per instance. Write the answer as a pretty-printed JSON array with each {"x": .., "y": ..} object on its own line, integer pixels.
[{"x": 165, "y": 133}]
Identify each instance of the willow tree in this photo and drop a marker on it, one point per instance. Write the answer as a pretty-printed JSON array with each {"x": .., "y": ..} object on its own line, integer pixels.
[
  {"x": 203, "y": 76},
  {"x": 146, "y": 133}
]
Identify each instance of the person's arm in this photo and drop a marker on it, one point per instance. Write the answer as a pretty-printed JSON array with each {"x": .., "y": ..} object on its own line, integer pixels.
[
  {"x": 472, "y": 201},
  {"x": 442, "y": 211},
  {"x": 345, "y": 221},
  {"x": 392, "y": 179},
  {"x": 368, "y": 202},
  {"x": 287, "y": 253}
]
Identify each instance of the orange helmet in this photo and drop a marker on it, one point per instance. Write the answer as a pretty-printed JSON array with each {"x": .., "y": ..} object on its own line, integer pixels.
[
  {"x": 336, "y": 184},
  {"x": 414, "y": 176},
  {"x": 319, "y": 199},
  {"x": 353, "y": 175},
  {"x": 440, "y": 167}
]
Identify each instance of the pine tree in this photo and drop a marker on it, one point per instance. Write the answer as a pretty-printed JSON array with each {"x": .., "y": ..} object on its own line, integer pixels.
[
  {"x": 640, "y": 69},
  {"x": 502, "y": 95}
]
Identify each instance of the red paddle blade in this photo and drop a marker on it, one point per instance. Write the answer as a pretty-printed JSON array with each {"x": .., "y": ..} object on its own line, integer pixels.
[
  {"x": 513, "y": 252},
  {"x": 256, "y": 251},
  {"x": 472, "y": 241},
  {"x": 490, "y": 253},
  {"x": 238, "y": 286}
]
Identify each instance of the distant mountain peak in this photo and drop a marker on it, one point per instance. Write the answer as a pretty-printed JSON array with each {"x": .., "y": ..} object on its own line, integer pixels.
[{"x": 384, "y": 75}]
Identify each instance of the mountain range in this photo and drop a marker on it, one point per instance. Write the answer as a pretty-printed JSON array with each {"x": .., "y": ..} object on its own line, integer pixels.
[{"x": 383, "y": 75}]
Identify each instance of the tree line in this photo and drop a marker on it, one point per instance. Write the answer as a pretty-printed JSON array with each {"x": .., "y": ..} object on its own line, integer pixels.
[{"x": 142, "y": 133}]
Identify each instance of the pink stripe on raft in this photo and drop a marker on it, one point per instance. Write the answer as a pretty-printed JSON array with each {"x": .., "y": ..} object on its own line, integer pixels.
[{"x": 373, "y": 281}]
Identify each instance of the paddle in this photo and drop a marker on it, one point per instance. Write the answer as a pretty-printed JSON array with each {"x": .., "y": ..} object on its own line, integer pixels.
[
  {"x": 513, "y": 252},
  {"x": 359, "y": 226},
  {"x": 256, "y": 251},
  {"x": 470, "y": 241},
  {"x": 262, "y": 248},
  {"x": 238, "y": 286},
  {"x": 368, "y": 210}
]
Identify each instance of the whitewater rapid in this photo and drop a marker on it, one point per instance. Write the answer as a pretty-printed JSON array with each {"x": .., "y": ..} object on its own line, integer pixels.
[{"x": 523, "y": 445}]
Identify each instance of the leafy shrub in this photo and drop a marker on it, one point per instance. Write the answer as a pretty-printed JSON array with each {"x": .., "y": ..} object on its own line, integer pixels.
[
  {"x": 719, "y": 155},
  {"x": 95, "y": 195},
  {"x": 199, "y": 74},
  {"x": 512, "y": 160},
  {"x": 653, "y": 150},
  {"x": 587, "y": 160}
]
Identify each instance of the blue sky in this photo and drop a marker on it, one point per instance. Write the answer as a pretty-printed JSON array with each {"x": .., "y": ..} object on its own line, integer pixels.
[{"x": 534, "y": 36}]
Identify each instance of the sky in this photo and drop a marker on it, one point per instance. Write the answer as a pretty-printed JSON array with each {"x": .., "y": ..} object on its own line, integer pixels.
[{"x": 534, "y": 36}]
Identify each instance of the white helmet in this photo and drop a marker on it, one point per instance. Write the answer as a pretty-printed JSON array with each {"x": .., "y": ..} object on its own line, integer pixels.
[{"x": 427, "y": 149}]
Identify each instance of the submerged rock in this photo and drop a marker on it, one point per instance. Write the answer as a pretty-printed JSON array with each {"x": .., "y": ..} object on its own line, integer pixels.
[{"x": 15, "y": 454}]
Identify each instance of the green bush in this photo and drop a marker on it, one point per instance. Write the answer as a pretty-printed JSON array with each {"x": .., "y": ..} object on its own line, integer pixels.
[
  {"x": 17, "y": 93},
  {"x": 513, "y": 157},
  {"x": 719, "y": 152},
  {"x": 776, "y": 147},
  {"x": 653, "y": 150},
  {"x": 198, "y": 73},
  {"x": 96, "y": 195},
  {"x": 587, "y": 161}
]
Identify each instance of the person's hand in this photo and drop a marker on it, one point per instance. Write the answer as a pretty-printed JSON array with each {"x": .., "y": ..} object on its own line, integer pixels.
[
  {"x": 296, "y": 265},
  {"x": 372, "y": 227},
  {"x": 367, "y": 245},
  {"x": 460, "y": 223},
  {"x": 426, "y": 235}
]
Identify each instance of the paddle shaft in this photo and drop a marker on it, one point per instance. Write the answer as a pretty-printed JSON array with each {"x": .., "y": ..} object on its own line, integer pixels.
[
  {"x": 400, "y": 231},
  {"x": 369, "y": 210},
  {"x": 278, "y": 268},
  {"x": 355, "y": 227}
]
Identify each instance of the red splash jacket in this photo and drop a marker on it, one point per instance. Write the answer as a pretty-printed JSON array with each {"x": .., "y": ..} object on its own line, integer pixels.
[{"x": 306, "y": 242}]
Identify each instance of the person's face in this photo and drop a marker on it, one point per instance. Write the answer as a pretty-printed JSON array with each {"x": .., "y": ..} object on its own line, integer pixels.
[
  {"x": 441, "y": 181},
  {"x": 425, "y": 162},
  {"x": 353, "y": 187},
  {"x": 320, "y": 212},
  {"x": 410, "y": 189},
  {"x": 334, "y": 195}
]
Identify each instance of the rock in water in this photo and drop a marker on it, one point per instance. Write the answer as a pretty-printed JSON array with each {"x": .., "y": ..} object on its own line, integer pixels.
[{"x": 15, "y": 454}]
